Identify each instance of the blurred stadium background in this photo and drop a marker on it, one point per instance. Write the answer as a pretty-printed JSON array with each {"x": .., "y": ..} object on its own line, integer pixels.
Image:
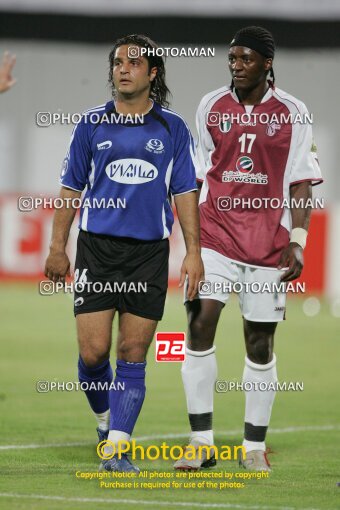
[{"x": 62, "y": 67}]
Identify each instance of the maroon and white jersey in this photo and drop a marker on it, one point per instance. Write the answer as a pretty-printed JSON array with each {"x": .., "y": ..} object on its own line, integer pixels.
[{"x": 248, "y": 153}]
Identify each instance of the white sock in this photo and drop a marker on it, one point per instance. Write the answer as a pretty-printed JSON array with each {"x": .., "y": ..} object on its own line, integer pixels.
[
  {"x": 103, "y": 420},
  {"x": 199, "y": 372},
  {"x": 203, "y": 437},
  {"x": 115, "y": 436},
  {"x": 254, "y": 445},
  {"x": 259, "y": 403}
]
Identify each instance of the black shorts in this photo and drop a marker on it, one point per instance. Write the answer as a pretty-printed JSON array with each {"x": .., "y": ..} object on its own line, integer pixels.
[{"x": 122, "y": 273}]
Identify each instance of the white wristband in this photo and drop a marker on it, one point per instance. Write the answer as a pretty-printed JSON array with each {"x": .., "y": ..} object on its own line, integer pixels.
[{"x": 299, "y": 236}]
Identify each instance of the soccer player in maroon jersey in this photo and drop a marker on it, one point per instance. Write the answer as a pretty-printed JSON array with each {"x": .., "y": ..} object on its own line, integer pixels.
[{"x": 254, "y": 143}]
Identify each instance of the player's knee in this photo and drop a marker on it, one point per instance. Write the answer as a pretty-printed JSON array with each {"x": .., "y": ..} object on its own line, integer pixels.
[
  {"x": 93, "y": 356},
  {"x": 133, "y": 352},
  {"x": 259, "y": 347},
  {"x": 201, "y": 330}
]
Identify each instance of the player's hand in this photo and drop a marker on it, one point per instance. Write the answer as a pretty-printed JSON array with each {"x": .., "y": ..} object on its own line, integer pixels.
[
  {"x": 293, "y": 258},
  {"x": 6, "y": 79},
  {"x": 57, "y": 266},
  {"x": 193, "y": 267}
]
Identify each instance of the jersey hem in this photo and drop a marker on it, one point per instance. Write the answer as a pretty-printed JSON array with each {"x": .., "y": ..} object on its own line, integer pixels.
[
  {"x": 271, "y": 268},
  {"x": 118, "y": 237}
]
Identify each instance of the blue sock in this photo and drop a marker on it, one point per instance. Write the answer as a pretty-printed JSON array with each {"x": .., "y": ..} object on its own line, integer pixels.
[
  {"x": 125, "y": 405},
  {"x": 98, "y": 399}
]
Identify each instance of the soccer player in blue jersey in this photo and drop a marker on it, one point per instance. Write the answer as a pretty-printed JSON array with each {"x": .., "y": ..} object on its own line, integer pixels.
[{"x": 138, "y": 165}]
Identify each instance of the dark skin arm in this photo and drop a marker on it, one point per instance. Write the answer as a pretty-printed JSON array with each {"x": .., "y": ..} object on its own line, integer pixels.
[
  {"x": 57, "y": 263},
  {"x": 292, "y": 256},
  {"x": 192, "y": 266}
]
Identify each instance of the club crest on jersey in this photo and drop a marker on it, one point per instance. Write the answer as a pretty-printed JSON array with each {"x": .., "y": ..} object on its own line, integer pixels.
[
  {"x": 244, "y": 167},
  {"x": 131, "y": 171},
  {"x": 225, "y": 126},
  {"x": 154, "y": 145},
  {"x": 104, "y": 145},
  {"x": 272, "y": 127}
]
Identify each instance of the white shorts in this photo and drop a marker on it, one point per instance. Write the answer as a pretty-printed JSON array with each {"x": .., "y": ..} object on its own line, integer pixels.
[{"x": 258, "y": 289}]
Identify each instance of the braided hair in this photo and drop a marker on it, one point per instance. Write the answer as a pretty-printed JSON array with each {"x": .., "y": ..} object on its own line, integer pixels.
[
  {"x": 159, "y": 92},
  {"x": 258, "y": 39}
]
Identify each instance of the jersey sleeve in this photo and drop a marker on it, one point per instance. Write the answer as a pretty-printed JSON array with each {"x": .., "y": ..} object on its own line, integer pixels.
[
  {"x": 305, "y": 165},
  {"x": 77, "y": 163},
  {"x": 183, "y": 177},
  {"x": 204, "y": 144}
]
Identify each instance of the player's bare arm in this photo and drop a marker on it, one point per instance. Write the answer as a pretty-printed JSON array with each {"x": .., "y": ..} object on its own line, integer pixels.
[
  {"x": 57, "y": 264},
  {"x": 292, "y": 256},
  {"x": 6, "y": 79},
  {"x": 192, "y": 266}
]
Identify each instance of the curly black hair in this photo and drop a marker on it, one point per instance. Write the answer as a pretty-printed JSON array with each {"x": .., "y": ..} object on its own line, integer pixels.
[
  {"x": 266, "y": 38},
  {"x": 159, "y": 92}
]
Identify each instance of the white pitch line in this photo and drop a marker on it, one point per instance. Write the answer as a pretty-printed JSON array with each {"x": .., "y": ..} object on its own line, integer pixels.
[
  {"x": 46, "y": 445},
  {"x": 224, "y": 433},
  {"x": 151, "y": 502},
  {"x": 308, "y": 428}
]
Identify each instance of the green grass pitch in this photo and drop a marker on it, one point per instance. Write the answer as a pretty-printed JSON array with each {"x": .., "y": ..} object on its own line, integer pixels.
[{"x": 38, "y": 343}]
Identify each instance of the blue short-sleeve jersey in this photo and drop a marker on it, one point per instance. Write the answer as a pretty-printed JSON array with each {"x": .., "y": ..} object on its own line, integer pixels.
[{"x": 129, "y": 170}]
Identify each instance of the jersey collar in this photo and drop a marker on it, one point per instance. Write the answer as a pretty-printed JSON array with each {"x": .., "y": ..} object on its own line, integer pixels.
[
  {"x": 265, "y": 98},
  {"x": 110, "y": 107}
]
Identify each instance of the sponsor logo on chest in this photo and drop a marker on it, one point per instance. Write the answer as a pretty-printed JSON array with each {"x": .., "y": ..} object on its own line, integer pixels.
[
  {"x": 244, "y": 168},
  {"x": 131, "y": 171}
]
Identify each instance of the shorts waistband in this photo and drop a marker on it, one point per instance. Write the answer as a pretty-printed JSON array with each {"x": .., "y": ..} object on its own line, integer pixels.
[{"x": 127, "y": 240}]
